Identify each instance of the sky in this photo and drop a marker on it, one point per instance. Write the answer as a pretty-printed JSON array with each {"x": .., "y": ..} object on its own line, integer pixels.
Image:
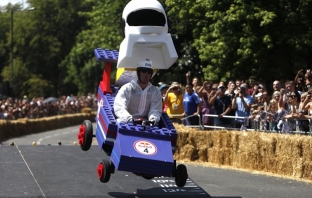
[{"x": 5, "y": 2}]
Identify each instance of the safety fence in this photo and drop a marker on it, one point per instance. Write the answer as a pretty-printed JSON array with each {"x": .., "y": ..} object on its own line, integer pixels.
[{"x": 280, "y": 125}]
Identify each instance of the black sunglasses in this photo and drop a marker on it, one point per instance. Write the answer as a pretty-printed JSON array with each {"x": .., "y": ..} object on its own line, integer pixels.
[{"x": 145, "y": 70}]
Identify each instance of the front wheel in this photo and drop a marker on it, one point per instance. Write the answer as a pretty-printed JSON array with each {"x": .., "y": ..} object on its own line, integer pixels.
[
  {"x": 104, "y": 171},
  {"x": 181, "y": 175}
]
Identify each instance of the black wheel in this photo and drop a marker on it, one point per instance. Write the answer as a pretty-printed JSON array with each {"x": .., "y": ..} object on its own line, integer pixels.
[
  {"x": 147, "y": 177},
  {"x": 181, "y": 175},
  {"x": 85, "y": 135},
  {"x": 104, "y": 171}
]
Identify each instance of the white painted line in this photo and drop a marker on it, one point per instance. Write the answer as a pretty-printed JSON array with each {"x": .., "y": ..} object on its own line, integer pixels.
[{"x": 30, "y": 171}]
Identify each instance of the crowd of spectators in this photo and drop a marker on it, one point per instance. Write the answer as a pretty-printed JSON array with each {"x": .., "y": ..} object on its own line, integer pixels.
[
  {"x": 15, "y": 108},
  {"x": 238, "y": 104},
  {"x": 242, "y": 103}
]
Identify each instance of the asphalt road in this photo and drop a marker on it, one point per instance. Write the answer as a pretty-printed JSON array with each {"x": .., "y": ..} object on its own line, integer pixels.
[{"x": 217, "y": 182}]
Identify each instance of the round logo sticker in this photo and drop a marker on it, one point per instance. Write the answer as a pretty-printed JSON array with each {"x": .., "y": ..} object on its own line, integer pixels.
[{"x": 145, "y": 147}]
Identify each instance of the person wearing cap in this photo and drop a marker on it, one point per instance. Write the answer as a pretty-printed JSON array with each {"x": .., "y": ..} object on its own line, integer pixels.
[
  {"x": 139, "y": 98},
  {"x": 242, "y": 103},
  {"x": 222, "y": 106},
  {"x": 174, "y": 100}
]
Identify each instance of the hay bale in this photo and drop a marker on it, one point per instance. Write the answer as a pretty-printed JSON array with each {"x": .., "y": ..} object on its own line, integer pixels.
[
  {"x": 283, "y": 154},
  {"x": 86, "y": 110}
]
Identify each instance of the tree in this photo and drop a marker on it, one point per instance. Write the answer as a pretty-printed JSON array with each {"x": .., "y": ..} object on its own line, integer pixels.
[
  {"x": 235, "y": 39},
  {"x": 103, "y": 32},
  {"x": 43, "y": 38}
]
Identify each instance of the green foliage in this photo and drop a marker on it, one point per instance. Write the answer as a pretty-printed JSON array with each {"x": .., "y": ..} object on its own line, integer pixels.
[
  {"x": 36, "y": 86},
  {"x": 103, "y": 32},
  {"x": 235, "y": 39},
  {"x": 215, "y": 40}
]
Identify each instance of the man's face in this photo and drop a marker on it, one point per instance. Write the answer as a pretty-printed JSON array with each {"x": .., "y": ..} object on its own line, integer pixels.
[
  {"x": 290, "y": 87},
  {"x": 252, "y": 82},
  {"x": 238, "y": 83},
  {"x": 276, "y": 85},
  {"x": 145, "y": 76},
  {"x": 232, "y": 86},
  {"x": 189, "y": 89}
]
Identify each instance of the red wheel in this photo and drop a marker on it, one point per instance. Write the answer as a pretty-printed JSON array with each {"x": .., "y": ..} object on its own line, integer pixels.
[
  {"x": 104, "y": 171},
  {"x": 85, "y": 135}
]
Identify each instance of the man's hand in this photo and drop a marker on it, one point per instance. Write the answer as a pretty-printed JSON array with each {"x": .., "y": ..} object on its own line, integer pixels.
[{"x": 153, "y": 122}]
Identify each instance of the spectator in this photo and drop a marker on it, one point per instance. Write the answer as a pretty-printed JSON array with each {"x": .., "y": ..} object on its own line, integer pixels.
[
  {"x": 174, "y": 100},
  {"x": 292, "y": 112},
  {"x": 195, "y": 81},
  {"x": 302, "y": 112},
  {"x": 300, "y": 81},
  {"x": 271, "y": 110},
  {"x": 290, "y": 87},
  {"x": 266, "y": 97},
  {"x": 204, "y": 94},
  {"x": 222, "y": 106},
  {"x": 238, "y": 83},
  {"x": 192, "y": 105},
  {"x": 242, "y": 103},
  {"x": 163, "y": 90},
  {"x": 231, "y": 89},
  {"x": 252, "y": 82},
  {"x": 276, "y": 85},
  {"x": 308, "y": 106}
]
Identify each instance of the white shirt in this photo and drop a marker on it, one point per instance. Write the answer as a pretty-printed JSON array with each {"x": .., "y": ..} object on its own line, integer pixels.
[{"x": 133, "y": 102}]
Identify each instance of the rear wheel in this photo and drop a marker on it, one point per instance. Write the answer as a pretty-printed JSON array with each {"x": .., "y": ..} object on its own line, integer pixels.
[
  {"x": 181, "y": 175},
  {"x": 85, "y": 135}
]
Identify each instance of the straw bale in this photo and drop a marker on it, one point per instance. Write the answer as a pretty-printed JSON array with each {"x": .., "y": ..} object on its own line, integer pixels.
[
  {"x": 20, "y": 127},
  {"x": 187, "y": 153},
  {"x": 307, "y": 149},
  {"x": 307, "y": 170},
  {"x": 86, "y": 110}
]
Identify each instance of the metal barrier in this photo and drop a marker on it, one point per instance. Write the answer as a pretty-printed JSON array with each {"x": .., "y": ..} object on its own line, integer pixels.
[
  {"x": 297, "y": 130},
  {"x": 184, "y": 119},
  {"x": 227, "y": 128},
  {"x": 256, "y": 124}
]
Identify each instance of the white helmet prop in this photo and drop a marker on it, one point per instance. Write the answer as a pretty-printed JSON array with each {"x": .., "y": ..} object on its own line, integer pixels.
[{"x": 145, "y": 65}]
